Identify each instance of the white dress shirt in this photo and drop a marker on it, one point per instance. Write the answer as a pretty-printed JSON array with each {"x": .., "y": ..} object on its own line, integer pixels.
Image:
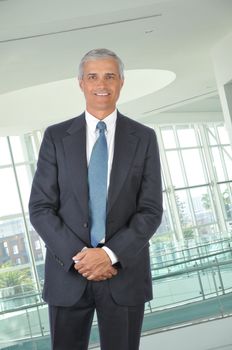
[{"x": 91, "y": 136}]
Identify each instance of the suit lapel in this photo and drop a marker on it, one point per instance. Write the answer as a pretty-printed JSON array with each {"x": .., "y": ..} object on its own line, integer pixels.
[
  {"x": 75, "y": 151},
  {"x": 124, "y": 150}
]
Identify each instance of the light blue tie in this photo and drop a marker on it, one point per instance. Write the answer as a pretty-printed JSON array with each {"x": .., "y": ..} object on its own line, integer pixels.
[{"x": 97, "y": 178}]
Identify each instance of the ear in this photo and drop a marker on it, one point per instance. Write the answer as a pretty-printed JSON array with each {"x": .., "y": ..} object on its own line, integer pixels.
[
  {"x": 122, "y": 83},
  {"x": 81, "y": 84}
]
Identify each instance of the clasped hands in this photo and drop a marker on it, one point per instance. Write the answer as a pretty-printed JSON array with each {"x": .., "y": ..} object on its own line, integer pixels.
[{"x": 94, "y": 264}]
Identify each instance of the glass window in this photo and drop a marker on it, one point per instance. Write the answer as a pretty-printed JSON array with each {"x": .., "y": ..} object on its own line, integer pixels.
[
  {"x": 18, "y": 261},
  {"x": 228, "y": 160},
  {"x": 193, "y": 167},
  {"x": 18, "y": 149},
  {"x": 6, "y": 250},
  {"x": 24, "y": 175},
  {"x": 217, "y": 164},
  {"x": 37, "y": 245},
  {"x": 212, "y": 136},
  {"x": 9, "y": 203},
  {"x": 175, "y": 169},
  {"x": 184, "y": 208},
  {"x": 168, "y": 138},
  {"x": 223, "y": 135},
  {"x": 166, "y": 226},
  {"x": 4, "y": 152},
  {"x": 20, "y": 280},
  {"x": 226, "y": 200},
  {"x": 15, "y": 249},
  {"x": 202, "y": 204},
  {"x": 186, "y": 137}
]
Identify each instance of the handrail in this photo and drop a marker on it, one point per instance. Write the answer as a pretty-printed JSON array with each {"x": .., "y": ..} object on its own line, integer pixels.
[
  {"x": 190, "y": 260},
  {"x": 22, "y": 308},
  {"x": 183, "y": 271},
  {"x": 192, "y": 269}
]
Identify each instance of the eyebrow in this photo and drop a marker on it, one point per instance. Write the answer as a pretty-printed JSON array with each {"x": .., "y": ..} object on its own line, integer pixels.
[{"x": 113, "y": 74}]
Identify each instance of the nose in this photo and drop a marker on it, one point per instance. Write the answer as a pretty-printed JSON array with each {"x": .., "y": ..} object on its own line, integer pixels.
[{"x": 101, "y": 82}]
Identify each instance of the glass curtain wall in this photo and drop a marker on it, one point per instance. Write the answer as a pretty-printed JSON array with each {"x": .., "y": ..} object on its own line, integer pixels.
[
  {"x": 21, "y": 249},
  {"x": 197, "y": 186},
  {"x": 197, "y": 180}
]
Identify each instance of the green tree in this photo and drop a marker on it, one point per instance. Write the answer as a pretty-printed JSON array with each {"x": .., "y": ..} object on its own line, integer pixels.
[
  {"x": 206, "y": 201},
  {"x": 15, "y": 278}
]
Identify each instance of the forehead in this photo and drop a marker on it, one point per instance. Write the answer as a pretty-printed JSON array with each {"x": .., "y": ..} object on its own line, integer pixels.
[{"x": 106, "y": 65}]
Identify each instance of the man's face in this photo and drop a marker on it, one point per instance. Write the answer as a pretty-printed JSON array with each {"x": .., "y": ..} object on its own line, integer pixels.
[{"x": 101, "y": 85}]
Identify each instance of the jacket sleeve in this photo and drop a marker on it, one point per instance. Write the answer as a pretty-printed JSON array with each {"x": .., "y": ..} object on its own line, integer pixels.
[
  {"x": 132, "y": 238},
  {"x": 44, "y": 204}
]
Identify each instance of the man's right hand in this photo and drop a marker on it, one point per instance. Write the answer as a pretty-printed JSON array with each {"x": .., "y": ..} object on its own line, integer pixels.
[{"x": 94, "y": 264}]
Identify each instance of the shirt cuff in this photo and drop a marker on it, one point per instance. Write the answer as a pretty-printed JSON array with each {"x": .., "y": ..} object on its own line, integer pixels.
[{"x": 111, "y": 255}]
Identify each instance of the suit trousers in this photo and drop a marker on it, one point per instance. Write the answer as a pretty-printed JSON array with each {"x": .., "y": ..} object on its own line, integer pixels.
[{"x": 119, "y": 326}]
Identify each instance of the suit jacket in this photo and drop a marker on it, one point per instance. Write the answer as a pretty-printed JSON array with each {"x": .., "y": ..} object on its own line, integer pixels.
[{"x": 59, "y": 208}]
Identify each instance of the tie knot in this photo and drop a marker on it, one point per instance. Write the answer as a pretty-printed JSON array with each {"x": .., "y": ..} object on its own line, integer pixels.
[{"x": 101, "y": 126}]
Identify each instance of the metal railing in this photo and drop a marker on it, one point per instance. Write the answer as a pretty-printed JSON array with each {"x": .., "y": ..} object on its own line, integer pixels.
[{"x": 196, "y": 277}]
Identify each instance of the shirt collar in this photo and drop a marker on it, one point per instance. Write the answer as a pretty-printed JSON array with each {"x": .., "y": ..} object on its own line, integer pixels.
[{"x": 92, "y": 121}]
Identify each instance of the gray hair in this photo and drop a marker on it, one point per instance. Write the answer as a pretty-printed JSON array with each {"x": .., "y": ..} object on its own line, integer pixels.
[{"x": 98, "y": 54}]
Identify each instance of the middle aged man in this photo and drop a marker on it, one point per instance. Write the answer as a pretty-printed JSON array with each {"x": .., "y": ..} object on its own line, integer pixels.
[{"x": 96, "y": 200}]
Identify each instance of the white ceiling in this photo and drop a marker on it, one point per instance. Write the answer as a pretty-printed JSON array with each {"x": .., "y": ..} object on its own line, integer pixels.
[{"x": 41, "y": 42}]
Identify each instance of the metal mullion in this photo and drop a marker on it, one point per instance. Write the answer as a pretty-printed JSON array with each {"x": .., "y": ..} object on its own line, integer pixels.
[
  {"x": 36, "y": 140},
  {"x": 213, "y": 177},
  {"x": 201, "y": 152},
  {"x": 5, "y": 166},
  {"x": 190, "y": 202},
  {"x": 221, "y": 153},
  {"x": 199, "y": 138},
  {"x": 193, "y": 186},
  {"x": 229, "y": 189},
  {"x": 170, "y": 189}
]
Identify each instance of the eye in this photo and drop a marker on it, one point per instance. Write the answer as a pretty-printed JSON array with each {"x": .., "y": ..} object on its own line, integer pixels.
[
  {"x": 92, "y": 77},
  {"x": 110, "y": 76}
]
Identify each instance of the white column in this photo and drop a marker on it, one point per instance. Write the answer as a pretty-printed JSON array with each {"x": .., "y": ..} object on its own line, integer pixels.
[{"x": 222, "y": 58}]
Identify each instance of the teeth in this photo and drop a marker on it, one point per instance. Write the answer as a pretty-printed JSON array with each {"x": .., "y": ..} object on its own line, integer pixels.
[{"x": 102, "y": 94}]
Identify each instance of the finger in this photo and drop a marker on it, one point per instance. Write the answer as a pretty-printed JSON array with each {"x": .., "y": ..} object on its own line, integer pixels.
[
  {"x": 92, "y": 278},
  {"x": 79, "y": 256},
  {"x": 114, "y": 272},
  {"x": 82, "y": 270}
]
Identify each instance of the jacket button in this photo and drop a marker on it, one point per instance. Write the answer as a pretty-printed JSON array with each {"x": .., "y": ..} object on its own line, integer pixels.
[{"x": 85, "y": 225}]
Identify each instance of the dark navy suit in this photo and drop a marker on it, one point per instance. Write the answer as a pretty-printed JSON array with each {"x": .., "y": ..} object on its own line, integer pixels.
[{"x": 59, "y": 209}]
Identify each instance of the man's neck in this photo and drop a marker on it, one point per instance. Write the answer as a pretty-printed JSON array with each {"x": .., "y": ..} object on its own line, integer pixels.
[{"x": 100, "y": 114}]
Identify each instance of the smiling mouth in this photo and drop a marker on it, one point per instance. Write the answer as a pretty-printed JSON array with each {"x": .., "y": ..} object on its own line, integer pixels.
[{"x": 101, "y": 93}]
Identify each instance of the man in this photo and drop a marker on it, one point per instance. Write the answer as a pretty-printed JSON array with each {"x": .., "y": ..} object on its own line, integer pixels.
[{"x": 96, "y": 200}]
